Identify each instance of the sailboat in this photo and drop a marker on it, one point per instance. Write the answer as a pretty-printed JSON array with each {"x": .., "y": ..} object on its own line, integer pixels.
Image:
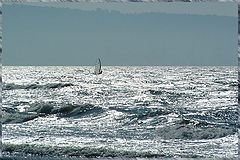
[{"x": 98, "y": 67}]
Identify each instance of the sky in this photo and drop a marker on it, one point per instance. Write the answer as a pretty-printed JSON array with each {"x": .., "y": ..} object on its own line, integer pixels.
[{"x": 178, "y": 34}]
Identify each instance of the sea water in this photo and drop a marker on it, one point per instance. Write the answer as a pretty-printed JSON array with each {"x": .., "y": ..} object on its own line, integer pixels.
[{"x": 127, "y": 111}]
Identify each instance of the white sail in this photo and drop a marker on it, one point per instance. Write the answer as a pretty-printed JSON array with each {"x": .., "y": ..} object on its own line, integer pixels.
[{"x": 98, "y": 67}]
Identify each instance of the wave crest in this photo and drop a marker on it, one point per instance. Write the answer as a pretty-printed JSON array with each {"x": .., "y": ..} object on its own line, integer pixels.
[
  {"x": 12, "y": 86},
  {"x": 71, "y": 152},
  {"x": 188, "y": 129},
  {"x": 10, "y": 115},
  {"x": 78, "y": 110}
]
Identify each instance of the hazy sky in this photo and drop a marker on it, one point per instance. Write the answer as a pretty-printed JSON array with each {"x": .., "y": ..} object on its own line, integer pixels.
[
  {"x": 207, "y": 8},
  {"x": 120, "y": 34}
]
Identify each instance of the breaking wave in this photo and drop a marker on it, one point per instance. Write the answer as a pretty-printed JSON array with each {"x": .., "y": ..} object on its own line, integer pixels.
[
  {"x": 172, "y": 96},
  {"x": 66, "y": 152},
  {"x": 10, "y": 115},
  {"x": 192, "y": 130},
  {"x": 141, "y": 113},
  {"x": 12, "y": 86},
  {"x": 154, "y": 92},
  {"x": 78, "y": 110}
]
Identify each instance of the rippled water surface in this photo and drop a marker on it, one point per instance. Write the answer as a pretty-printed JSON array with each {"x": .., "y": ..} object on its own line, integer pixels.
[{"x": 124, "y": 112}]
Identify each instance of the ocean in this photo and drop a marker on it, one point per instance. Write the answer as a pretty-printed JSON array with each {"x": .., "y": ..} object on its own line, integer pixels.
[{"x": 127, "y": 111}]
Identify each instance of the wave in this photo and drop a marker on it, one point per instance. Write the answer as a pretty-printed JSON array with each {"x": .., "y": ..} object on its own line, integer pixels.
[
  {"x": 12, "y": 86},
  {"x": 68, "y": 152},
  {"x": 135, "y": 115},
  {"x": 192, "y": 130},
  {"x": 68, "y": 110},
  {"x": 10, "y": 115},
  {"x": 142, "y": 112},
  {"x": 78, "y": 110},
  {"x": 41, "y": 108},
  {"x": 227, "y": 116},
  {"x": 154, "y": 92},
  {"x": 167, "y": 93},
  {"x": 169, "y": 96},
  {"x": 225, "y": 83}
]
